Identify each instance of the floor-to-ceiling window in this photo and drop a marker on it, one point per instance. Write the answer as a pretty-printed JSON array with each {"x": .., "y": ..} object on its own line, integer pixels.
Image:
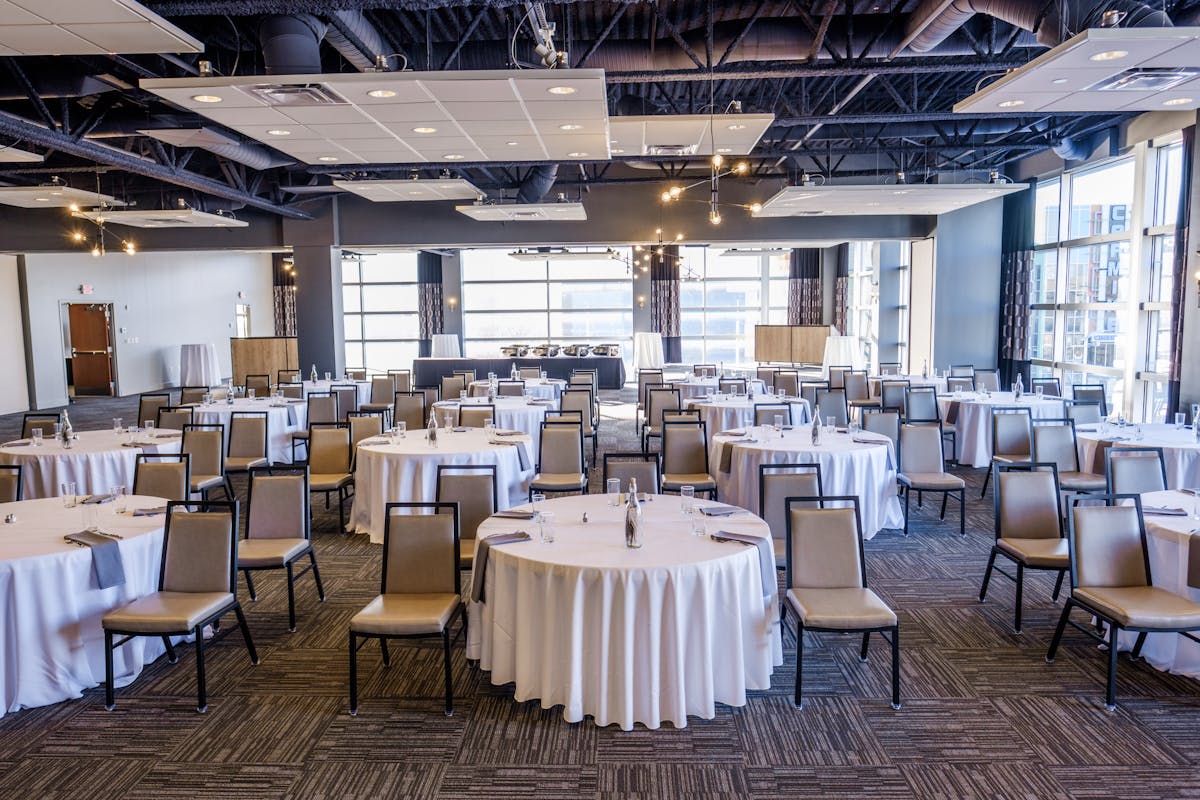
[
  {"x": 379, "y": 301},
  {"x": 723, "y": 294}
]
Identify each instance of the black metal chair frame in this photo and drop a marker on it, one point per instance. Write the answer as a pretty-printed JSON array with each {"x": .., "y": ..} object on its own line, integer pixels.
[
  {"x": 662, "y": 454},
  {"x": 488, "y": 469},
  {"x": 785, "y": 408},
  {"x": 308, "y": 406},
  {"x": 186, "y": 458},
  {"x": 763, "y": 469},
  {"x": 15, "y": 469},
  {"x": 647, "y": 458},
  {"x": 344, "y": 491},
  {"x": 578, "y": 426},
  {"x": 987, "y": 476}
]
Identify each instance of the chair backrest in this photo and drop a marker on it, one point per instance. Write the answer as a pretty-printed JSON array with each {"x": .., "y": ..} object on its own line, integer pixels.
[
  {"x": 174, "y": 417},
  {"x": 1091, "y": 391},
  {"x": 731, "y": 385},
  {"x": 322, "y": 408},
  {"x": 1082, "y": 412},
  {"x": 192, "y": 394},
  {"x": 1025, "y": 505},
  {"x": 1051, "y": 387},
  {"x": 920, "y": 404},
  {"x": 962, "y": 370},
  {"x": 382, "y": 389},
  {"x": 856, "y": 385},
  {"x": 248, "y": 434},
  {"x": 1135, "y": 470},
  {"x": 921, "y": 449},
  {"x": 660, "y": 400},
  {"x": 889, "y": 368},
  {"x": 409, "y": 407},
  {"x": 778, "y": 482},
  {"x": 837, "y": 376},
  {"x": 451, "y": 386},
  {"x": 766, "y": 375},
  {"x": 277, "y": 503},
  {"x": 960, "y": 384},
  {"x": 261, "y": 384},
  {"x": 528, "y": 373},
  {"x": 639, "y": 466},
  {"x": 824, "y": 545},
  {"x": 421, "y": 550},
  {"x": 165, "y": 475},
  {"x": 287, "y": 376},
  {"x": 645, "y": 378},
  {"x": 894, "y": 395},
  {"x": 10, "y": 483},
  {"x": 364, "y": 425},
  {"x": 467, "y": 375},
  {"x": 476, "y": 415},
  {"x": 205, "y": 443},
  {"x": 560, "y": 451},
  {"x": 986, "y": 379},
  {"x": 1054, "y": 443},
  {"x": 884, "y": 421},
  {"x": 1108, "y": 543},
  {"x": 432, "y": 394},
  {"x": 357, "y": 374},
  {"x": 787, "y": 381},
  {"x": 148, "y": 406},
  {"x": 584, "y": 377},
  {"x": 808, "y": 391},
  {"x": 765, "y": 413},
  {"x": 579, "y": 400},
  {"x": 292, "y": 391},
  {"x": 704, "y": 370},
  {"x": 329, "y": 450},
  {"x": 685, "y": 448},
  {"x": 832, "y": 403},
  {"x": 401, "y": 379},
  {"x": 1012, "y": 431},
  {"x": 199, "y": 548},
  {"x": 347, "y": 397},
  {"x": 474, "y": 489},
  {"x": 510, "y": 388}
]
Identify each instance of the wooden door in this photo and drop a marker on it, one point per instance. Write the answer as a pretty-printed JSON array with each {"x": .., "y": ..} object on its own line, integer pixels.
[{"x": 91, "y": 349}]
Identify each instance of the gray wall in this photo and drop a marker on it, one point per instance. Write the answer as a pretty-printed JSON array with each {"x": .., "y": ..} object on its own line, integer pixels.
[
  {"x": 890, "y": 300},
  {"x": 1189, "y": 386},
  {"x": 966, "y": 313}
]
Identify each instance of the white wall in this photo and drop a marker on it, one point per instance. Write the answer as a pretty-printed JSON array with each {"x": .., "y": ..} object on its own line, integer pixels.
[
  {"x": 160, "y": 301},
  {"x": 922, "y": 293},
  {"x": 14, "y": 390}
]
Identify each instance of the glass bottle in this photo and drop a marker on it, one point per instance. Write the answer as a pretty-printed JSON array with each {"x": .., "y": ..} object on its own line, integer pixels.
[
  {"x": 432, "y": 430},
  {"x": 633, "y": 517},
  {"x": 816, "y": 427}
]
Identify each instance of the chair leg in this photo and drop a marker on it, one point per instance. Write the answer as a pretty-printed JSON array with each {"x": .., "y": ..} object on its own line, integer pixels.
[
  {"x": 907, "y": 493},
  {"x": 1058, "y": 632},
  {"x": 1137, "y": 646},
  {"x": 385, "y": 653},
  {"x": 312, "y": 556},
  {"x": 920, "y": 498},
  {"x": 987, "y": 476},
  {"x": 798, "y": 700},
  {"x": 353, "y": 674},
  {"x": 1020, "y": 592},
  {"x": 291, "y": 582},
  {"x": 228, "y": 487},
  {"x": 1058, "y": 584},
  {"x": 987, "y": 575},
  {"x": 341, "y": 512},
  {"x": 172, "y": 657},
  {"x": 241, "y": 618},
  {"x": 1110, "y": 692},
  {"x": 250, "y": 585},
  {"x": 201, "y": 691},
  {"x": 862, "y": 654},
  {"x": 110, "y": 700},
  {"x": 945, "y": 497},
  {"x": 962, "y": 512},
  {"x": 896, "y": 667},
  {"x": 449, "y": 673}
]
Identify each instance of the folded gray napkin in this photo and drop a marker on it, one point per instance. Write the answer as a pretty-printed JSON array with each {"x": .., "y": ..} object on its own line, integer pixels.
[
  {"x": 106, "y": 557},
  {"x": 766, "y": 555},
  {"x": 149, "y": 512},
  {"x": 97, "y": 499},
  {"x": 725, "y": 457},
  {"x": 374, "y": 440},
  {"x": 733, "y": 432},
  {"x": 509, "y": 433},
  {"x": 1164, "y": 512},
  {"x": 482, "y": 548},
  {"x": 460, "y": 429},
  {"x": 19, "y": 443},
  {"x": 515, "y": 514},
  {"x": 720, "y": 510},
  {"x": 168, "y": 435},
  {"x": 522, "y": 458}
]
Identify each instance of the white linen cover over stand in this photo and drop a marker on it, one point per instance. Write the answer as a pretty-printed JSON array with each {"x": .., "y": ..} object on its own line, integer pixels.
[
  {"x": 198, "y": 365},
  {"x": 841, "y": 351},
  {"x": 445, "y": 345},
  {"x": 650, "y": 635},
  {"x": 647, "y": 351},
  {"x": 97, "y": 461}
]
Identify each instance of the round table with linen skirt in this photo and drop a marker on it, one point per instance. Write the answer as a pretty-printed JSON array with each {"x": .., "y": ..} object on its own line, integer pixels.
[{"x": 95, "y": 462}]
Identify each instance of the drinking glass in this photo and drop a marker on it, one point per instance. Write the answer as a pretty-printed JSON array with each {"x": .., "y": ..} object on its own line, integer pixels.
[
  {"x": 855, "y": 427},
  {"x": 149, "y": 428},
  {"x": 118, "y": 493},
  {"x": 543, "y": 374},
  {"x": 535, "y": 499},
  {"x": 546, "y": 526},
  {"x": 250, "y": 393},
  {"x": 1196, "y": 505},
  {"x": 117, "y": 422},
  {"x": 699, "y": 526},
  {"x": 829, "y": 422},
  {"x": 36, "y": 436},
  {"x": 1038, "y": 391},
  {"x": 67, "y": 490},
  {"x": 447, "y": 422},
  {"x": 328, "y": 376},
  {"x": 462, "y": 396},
  {"x": 1195, "y": 411},
  {"x": 90, "y": 522},
  {"x": 779, "y": 425},
  {"x": 402, "y": 428},
  {"x": 488, "y": 425},
  {"x": 687, "y": 498},
  {"x": 1180, "y": 420},
  {"x": 612, "y": 488}
]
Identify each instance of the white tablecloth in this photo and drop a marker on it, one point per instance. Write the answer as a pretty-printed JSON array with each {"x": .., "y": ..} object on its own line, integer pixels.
[
  {"x": 647, "y": 351},
  {"x": 549, "y": 389},
  {"x": 407, "y": 472},
  {"x": 198, "y": 365},
  {"x": 692, "y": 387},
  {"x": 847, "y": 468},
  {"x": 445, "y": 345},
  {"x": 626, "y": 636},
  {"x": 51, "y": 606},
  {"x": 282, "y": 422},
  {"x": 512, "y": 413},
  {"x": 841, "y": 351},
  {"x": 973, "y": 421},
  {"x": 97, "y": 461},
  {"x": 875, "y": 382},
  {"x": 364, "y": 388},
  {"x": 1181, "y": 451},
  {"x": 728, "y": 412}
]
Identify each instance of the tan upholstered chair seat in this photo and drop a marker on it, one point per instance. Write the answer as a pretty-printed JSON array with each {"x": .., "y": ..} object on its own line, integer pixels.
[
  {"x": 374, "y": 406},
  {"x": 328, "y": 482},
  {"x": 1141, "y": 606},
  {"x": 1082, "y": 481},
  {"x": 304, "y": 434},
  {"x": 1013, "y": 458},
  {"x": 933, "y": 481},
  {"x": 870, "y": 403},
  {"x": 243, "y": 463},
  {"x": 167, "y": 612},
  {"x": 1047, "y": 553},
  {"x": 258, "y": 553},
  {"x": 202, "y": 482},
  {"x": 558, "y": 481},
  {"x": 842, "y": 609},
  {"x": 402, "y": 614},
  {"x": 466, "y": 559},
  {"x": 701, "y": 480}
]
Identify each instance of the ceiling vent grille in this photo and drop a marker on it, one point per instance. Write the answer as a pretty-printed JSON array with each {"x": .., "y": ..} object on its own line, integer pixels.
[
  {"x": 1145, "y": 79},
  {"x": 303, "y": 95}
]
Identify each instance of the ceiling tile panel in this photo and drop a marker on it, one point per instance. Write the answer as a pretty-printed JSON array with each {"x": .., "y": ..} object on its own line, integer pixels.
[{"x": 88, "y": 27}]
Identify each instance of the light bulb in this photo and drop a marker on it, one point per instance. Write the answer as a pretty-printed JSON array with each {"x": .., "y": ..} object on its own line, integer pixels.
[
  {"x": 676, "y": 191},
  {"x": 73, "y": 207},
  {"x": 129, "y": 248},
  {"x": 96, "y": 251},
  {"x": 741, "y": 168},
  {"x": 718, "y": 160},
  {"x": 679, "y": 237},
  {"x": 77, "y": 236},
  {"x": 755, "y": 208},
  {"x": 666, "y": 196},
  {"x": 715, "y": 218}
]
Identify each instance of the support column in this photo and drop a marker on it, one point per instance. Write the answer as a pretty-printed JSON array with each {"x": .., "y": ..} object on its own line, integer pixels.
[{"x": 317, "y": 254}]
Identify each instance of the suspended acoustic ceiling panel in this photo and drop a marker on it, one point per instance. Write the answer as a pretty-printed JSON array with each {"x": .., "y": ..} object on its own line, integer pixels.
[
  {"x": 51, "y": 196},
  {"x": 15, "y": 155},
  {"x": 874, "y": 200},
  {"x": 166, "y": 218},
  {"x": 1102, "y": 69},
  {"x": 421, "y": 190},
  {"x": 525, "y": 212},
  {"x": 565, "y": 255},
  {"x": 87, "y": 27},
  {"x": 191, "y": 137},
  {"x": 687, "y": 134},
  {"x": 409, "y": 117}
]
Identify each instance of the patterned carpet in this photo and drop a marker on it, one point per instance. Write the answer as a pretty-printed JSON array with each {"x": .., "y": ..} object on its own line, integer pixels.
[{"x": 984, "y": 715}]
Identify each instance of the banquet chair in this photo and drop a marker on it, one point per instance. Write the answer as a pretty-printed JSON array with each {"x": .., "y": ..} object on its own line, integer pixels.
[
  {"x": 357, "y": 374},
  {"x": 529, "y": 373},
  {"x": 832, "y": 403},
  {"x": 858, "y": 390},
  {"x": 704, "y": 370},
  {"x": 585, "y": 377},
  {"x": 259, "y": 384},
  {"x": 889, "y": 368},
  {"x": 363, "y": 425},
  {"x": 685, "y": 457},
  {"x": 474, "y": 489},
  {"x": 190, "y": 395},
  {"x": 1012, "y": 438},
  {"x": 923, "y": 469},
  {"x": 467, "y": 375},
  {"x": 642, "y": 467},
  {"x": 765, "y": 413},
  {"x": 885, "y": 422},
  {"x": 329, "y": 465},
  {"x": 322, "y": 410},
  {"x": 1051, "y": 387},
  {"x": 510, "y": 388},
  {"x": 1111, "y": 580},
  {"x": 451, "y": 386},
  {"x": 278, "y": 530},
  {"x": 1135, "y": 470},
  {"x": 988, "y": 379},
  {"x": 205, "y": 443},
  {"x": 420, "y": 592},
  {"x": 1082, "y": 412},
  {"x": 409, "y": 408},
  {"x": 645, "y": 377},
  {"x": 893, "y": 396},
  {"x": 476, "y": 416},
  {"x": 731, "y": 385},
  {"x": 219, "y": 393},
  {"x": 292, "y": 391},
  {"x": 658, "y": 401},
  {"x": 347, "y": 395},
  {"x": 921, "y": 408},
  {"x": 837, "y": 376},
  {"x": 826, "y": 579},
  {"x": 165, "y": 475},
  {"x": 766, "y": 375},
  {"x": 960, "y": 384},
  {"x": 248, "y": 436},
  {"x": 808, "y": 391},
  {"x": 580, "y": 399},
  {"x": 383, "y": 390},
  {"x": 287, "y": 376},
  {"x": 556, "y": 415},
  {"x": 432, "y": 394},
  {"x": 777, "y": 483},
  {"x": 197, "y": 585},
  {"x": 962, "y": 371},
  {"x": 560, "y": 466},
  {"x": 1091, "y": 391},
  {"x": 11, "y": 482},
  {"x": 1028, "y": 527},
  {"x": 786, "y": 381},
  {"x": 148, "y": 405},
  {"x": 401, "y": 379},
  {"x": 1054, "y": 442},
  {"x": 174, "y": 417}
]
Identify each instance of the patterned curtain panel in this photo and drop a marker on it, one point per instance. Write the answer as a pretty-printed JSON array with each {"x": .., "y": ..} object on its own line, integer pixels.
[
  {"x": 664, "y": 302},
  {"x": 804, "y": 287},
  {"x": 1016, "y": 261},
  {"x": 284, "y": 305},
  {"x": 429, "y": 300},
  {"x": 841, "y": 287},
  {"x": 1179, "y": 272}
]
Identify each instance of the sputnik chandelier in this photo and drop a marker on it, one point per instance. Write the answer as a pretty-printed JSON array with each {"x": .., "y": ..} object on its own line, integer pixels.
[{"x": 717, "y": 170}]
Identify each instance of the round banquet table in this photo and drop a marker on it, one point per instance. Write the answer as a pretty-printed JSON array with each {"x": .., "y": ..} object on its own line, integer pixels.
[
  {"x": 695, "y": 387},
  {"x": 971, "y": 417},
  {"x": 407, "y": 471},
  {"x": 96, "y": 461},
  {"x": 283, "y": 419},
  {"x": 364, "y": 388},
  {"x": 627, "y": 636},
  {"x": 549, "y": 389},
  {"x": 51, "y": 604},
  {"x": 1181, "y": 451},
  {"x": 865, "y": 468},
  {"x": 738, "y": 411},
  {"x": 875, "y": 382},
  {"x": 512, "y": 413}
]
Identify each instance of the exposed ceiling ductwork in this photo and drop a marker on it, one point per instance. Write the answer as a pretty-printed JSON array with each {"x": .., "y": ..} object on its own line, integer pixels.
[
  {"x": 537, "y": 183},
  {"x": 292, "y": 44}
]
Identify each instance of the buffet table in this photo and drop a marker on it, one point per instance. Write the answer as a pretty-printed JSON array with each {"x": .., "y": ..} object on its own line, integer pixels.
[{"x": 610, "y": 369}]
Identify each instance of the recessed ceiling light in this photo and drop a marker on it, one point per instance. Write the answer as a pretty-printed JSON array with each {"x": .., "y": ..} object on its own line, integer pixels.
[
  {"x": 279, "y": 132},
  {"x": 206, "y": 98},
  {"x": 1178, "y": 101},
  {"x": 737, "y": 126},
  {"x": 415, "y": 191},
  {"x": 1109, "y": 55},
  {"x": 424, "y": 130},
  {"x": 327, "y": 158},
  {"x": 1059, "y": 81},
  {"x": 576, "y": 155},
  {"x": 616, "y": 151},
  {"x": 724, "y": 149},
  {"x": 561, "y": 90},
  {"x": 1011, "y": 103},
  {"x": 381, "y": 93},
  {"x": 453, "y": 156},
  {"x": 512, "y": 144},
  {"x": 42, "y": 199},
  {"x": 570, "y": 126}
]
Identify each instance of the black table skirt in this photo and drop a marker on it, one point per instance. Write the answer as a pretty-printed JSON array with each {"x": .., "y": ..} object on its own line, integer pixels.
[{"x": 610, "y": 370}]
